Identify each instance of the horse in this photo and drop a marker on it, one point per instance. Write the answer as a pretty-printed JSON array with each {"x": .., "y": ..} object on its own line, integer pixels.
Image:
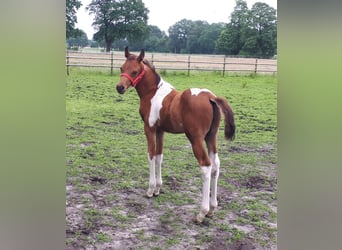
[{"x": 195, "y": 112}]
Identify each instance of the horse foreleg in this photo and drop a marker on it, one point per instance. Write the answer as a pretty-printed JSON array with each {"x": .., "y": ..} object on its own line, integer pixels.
[
  {"x": 152, "y": 180},
  {"x": 159, "y": 161},
  {"x": 159, "y": 181},
  {"x": 155, "y": 181},
  {"x": 151, "y": 146}
]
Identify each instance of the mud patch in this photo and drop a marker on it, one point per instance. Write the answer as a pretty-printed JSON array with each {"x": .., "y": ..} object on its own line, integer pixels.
[
  {"x": 96, "y": 179},
  {"x": 263, "y": 150},
  {"x": 173, "y": 183},
  {"x": 244, "y": 244},
  {"x": 218, "y": 244},
  {"x": 258, "y": 182}
]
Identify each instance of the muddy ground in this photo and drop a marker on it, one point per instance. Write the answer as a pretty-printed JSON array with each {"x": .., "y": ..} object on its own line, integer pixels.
[{"x": 127, "y": 219}]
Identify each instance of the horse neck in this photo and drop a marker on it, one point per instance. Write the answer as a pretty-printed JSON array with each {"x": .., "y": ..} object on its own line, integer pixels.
[{"x": 148, "y": 85}]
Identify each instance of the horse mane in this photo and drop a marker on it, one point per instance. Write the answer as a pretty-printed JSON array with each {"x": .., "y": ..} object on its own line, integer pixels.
[{"x": 151, "y": 66}]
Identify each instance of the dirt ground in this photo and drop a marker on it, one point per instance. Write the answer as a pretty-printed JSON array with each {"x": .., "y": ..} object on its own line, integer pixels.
[{"x": 141, "y": 223}]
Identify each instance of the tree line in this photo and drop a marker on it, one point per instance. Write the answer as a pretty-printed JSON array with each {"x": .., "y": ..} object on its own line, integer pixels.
[{"x": 120, "y": 23}]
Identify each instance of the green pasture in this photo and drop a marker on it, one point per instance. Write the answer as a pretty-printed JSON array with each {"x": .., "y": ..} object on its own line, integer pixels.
[{"x": 107, "y": 168}]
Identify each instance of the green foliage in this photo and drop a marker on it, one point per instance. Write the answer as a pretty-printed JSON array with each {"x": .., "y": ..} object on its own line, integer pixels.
[
  {"x": 250, "y": 32},
  {"x": 103, "y": 237},
  {"x": 124, "y": 23},
  {"x": 81, "y": 40},
  {"x": 178, "y": 34},
  {"x": 117, "y": 20},
  {"x": 187, "y": 36},
  {"x": 71, "y": 19}
]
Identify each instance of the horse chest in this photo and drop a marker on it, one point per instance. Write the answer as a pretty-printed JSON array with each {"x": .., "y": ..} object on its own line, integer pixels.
[{"x": 157, "y": 102}]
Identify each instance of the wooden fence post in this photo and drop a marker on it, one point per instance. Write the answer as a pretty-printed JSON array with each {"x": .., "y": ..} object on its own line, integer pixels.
[
  {"x": 224, "y": 65},
  {"x": 67, "y": 62},
  {"x": 189, "y": 65},
  {"x": 256, "y": 66},
  {"x": 111, "y": 63}
]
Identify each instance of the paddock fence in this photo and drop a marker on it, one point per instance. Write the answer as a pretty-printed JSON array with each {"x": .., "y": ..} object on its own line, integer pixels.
[{"x": 174, "y": 62}]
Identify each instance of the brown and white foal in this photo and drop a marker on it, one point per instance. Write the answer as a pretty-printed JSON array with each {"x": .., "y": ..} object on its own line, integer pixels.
[{"x": 195, "y": 112}]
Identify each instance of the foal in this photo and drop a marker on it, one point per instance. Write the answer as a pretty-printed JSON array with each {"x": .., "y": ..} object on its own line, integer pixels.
[{"x": 195, "y": 112}]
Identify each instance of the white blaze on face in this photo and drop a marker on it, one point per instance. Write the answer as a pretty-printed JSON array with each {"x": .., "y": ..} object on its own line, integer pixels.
[
  {"x": 197, "y": 91},
  {"x": 164, "y": 88}
]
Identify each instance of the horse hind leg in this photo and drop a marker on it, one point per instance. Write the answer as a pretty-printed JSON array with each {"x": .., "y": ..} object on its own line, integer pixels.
[
  {"x": 205, "y": 166},
  {"x": 215, "y": 171},
  {"x": 211, "y": 141}
]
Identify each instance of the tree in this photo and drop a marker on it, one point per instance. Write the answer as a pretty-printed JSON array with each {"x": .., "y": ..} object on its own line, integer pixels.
[
  {"x": 208, "y": 38},
  {"x": 193, "y": 44},
  {"x": 227, "y": 41},
  {"x": 233, "y": 37},
  {"x": 263, "y": 40},
  {"x": 119, "y": 19},
  {"x": 178, "y": 35},
  {"x": 250, "y": 32},
  {"x": 71, "y": 19},
  {"x": 157, "y": 40},
  {"x": 79, "y": 40}
]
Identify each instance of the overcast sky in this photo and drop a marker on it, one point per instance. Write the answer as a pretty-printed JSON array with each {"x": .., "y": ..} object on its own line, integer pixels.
[{"x": 165, "y": 13}]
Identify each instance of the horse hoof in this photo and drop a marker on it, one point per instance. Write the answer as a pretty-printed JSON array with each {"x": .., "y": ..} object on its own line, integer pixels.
[
  {"x": 196, "y": 220},
  {"x": 209, "y": 215},
  {"x": 156, "y": 192},
  {"x": 149, "y": 195}
]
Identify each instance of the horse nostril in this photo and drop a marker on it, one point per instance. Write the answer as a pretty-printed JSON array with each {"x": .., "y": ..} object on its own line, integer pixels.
[{"x": 120, "y": 89}]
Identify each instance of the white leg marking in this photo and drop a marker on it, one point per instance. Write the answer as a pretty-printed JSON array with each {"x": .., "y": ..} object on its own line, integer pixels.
[
  {"x": 206, "y": 174},
  {"x": 159, "y": 161},
  {"x": 152, "y": 182},
  {"x": 215, "y": 171}
]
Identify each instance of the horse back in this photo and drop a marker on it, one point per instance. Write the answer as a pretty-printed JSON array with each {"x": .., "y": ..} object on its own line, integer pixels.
[{"x": 187, "y": 110}]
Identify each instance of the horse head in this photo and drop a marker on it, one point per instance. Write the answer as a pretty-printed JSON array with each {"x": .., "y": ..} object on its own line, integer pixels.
[{"x": 132, "y": 71}]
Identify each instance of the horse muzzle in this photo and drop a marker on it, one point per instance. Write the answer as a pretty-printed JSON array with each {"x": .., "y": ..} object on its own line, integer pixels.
[{"x": 121, "y": 89}]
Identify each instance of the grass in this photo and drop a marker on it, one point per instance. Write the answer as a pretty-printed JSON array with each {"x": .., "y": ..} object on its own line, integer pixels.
[{"x": 107, "y": 167}]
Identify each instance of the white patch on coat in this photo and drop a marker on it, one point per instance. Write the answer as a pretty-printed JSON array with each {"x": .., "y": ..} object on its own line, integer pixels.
[
  {"x": 197, "y": 91},
  {"x": 164, "y": 88}
]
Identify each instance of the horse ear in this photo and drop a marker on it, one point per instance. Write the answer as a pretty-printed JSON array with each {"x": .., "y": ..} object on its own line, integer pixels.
[
  {"x": 126, "y": 52},
  {"x": 141, "y": 56}
]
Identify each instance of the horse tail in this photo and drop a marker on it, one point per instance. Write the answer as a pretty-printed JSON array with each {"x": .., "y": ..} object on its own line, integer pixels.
[{"x": 229, "y": 124}]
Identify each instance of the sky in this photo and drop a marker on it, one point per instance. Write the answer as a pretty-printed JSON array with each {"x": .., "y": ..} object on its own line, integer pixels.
[{"x": 165, "y": 13}]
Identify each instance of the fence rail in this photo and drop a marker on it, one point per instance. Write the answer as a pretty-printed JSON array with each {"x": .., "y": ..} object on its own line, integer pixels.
[{"x": 163, "y": 61}]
